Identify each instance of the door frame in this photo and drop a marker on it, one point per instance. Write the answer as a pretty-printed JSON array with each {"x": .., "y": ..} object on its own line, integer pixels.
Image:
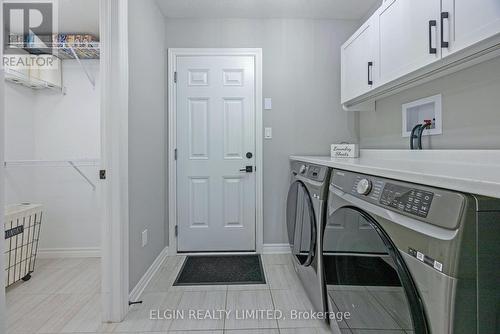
[
  {"x": 113, "y": 24},
  {"x": 173, "y": 53}
]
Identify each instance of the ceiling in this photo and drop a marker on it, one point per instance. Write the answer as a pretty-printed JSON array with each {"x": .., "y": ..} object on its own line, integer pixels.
[
  {"x": 79, "y": 16},
  {"x": 315, "y": 9}
]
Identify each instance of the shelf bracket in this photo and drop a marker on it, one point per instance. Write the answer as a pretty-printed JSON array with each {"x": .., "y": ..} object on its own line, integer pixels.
[
  {"x": 79, "y": 171},
  {"x": 87, "y": 73}
]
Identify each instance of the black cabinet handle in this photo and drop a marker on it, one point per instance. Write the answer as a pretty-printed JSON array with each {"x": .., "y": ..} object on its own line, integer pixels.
[
  {"x": 370, "y": 66},
  {"x": 432, "y": 23},
  {"x": 444, "y": 15}
]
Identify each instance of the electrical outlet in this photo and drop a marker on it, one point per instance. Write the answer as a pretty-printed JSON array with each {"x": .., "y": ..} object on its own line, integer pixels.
[{"x": 144, "y": 238}]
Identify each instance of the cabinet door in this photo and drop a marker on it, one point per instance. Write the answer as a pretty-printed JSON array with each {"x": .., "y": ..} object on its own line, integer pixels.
[
  {"x": 409, "y": 31},
  {"x": 468, "y": 22},
  {"x": 359, "y": 61}
]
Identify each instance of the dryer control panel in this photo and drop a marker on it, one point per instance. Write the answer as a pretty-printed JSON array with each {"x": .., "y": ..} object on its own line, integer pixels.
[
  {"x": 316, "y": 172},
  {"x": 310, "y": 171}
]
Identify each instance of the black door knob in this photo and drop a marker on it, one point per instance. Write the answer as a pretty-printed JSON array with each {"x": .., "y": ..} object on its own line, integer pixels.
[
  {"x": 249, "y": 155},
  {"x": 247, "y": 169}
]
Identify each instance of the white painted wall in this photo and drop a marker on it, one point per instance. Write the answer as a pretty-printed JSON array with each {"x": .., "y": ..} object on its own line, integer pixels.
[
  {"x": 49, "y": 126},
  {"x": 20, "y": 104},
  {"x": 69, "y": 126},
  {"x": 147, "y": 135},
  {"x": 301, "y": 73}
]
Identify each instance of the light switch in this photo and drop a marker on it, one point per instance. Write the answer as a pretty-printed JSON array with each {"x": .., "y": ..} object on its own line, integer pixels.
[
  {"x": 268, "y": 103},
  {"x": 268, "y": 133}
]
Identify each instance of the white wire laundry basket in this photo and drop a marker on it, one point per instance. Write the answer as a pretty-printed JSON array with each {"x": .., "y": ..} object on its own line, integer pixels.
[{"x": 22, "y": 232}]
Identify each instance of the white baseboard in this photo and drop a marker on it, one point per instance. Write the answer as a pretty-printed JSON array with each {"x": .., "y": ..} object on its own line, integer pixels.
[
  {"x": 55, "y": 253},
  {"x": 137, "y": 291},
  {"x": 276, "y": 249}
]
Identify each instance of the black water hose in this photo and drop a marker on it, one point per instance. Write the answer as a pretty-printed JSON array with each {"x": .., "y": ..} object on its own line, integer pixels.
[
  {"x": 420, "y": 133},
  {"x": 413, "y": 136}
]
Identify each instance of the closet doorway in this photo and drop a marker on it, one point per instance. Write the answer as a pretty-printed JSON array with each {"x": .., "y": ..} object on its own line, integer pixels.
[{"x": 58, "y": 203}]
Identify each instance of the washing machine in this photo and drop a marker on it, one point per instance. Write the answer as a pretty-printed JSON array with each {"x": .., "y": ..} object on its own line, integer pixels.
[
  {"x": 305, "y": 216},
  {"x": 406, "y": 258}
]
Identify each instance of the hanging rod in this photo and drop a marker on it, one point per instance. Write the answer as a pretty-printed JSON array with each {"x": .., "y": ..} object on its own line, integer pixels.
[
  {"x": 51, "y": 163},
  {"x": 75, "y": 164}
]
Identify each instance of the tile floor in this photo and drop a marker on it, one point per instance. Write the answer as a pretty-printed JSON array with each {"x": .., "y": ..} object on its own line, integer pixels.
[{"x": 63, "y": 297}]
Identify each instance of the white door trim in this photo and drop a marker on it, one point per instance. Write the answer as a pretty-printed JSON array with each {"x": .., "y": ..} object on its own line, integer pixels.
[
  {"x": 172, "y": 137},
  {"x": 114, "y": 159}
]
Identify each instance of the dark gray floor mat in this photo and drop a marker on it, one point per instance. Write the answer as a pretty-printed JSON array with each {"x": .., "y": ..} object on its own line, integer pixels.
[{"x": 221, "y": 269}]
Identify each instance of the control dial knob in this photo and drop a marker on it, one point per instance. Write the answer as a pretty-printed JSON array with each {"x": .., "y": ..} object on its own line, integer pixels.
[
  {"x": 364, "y": 187},
  {"x": 302, "y": 169}
]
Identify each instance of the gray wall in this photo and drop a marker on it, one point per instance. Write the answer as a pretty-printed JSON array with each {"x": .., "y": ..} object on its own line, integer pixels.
[
  {"x": 301, "y": 64},
  {"x": 471, "y": 112},
  {"x": 146, "y": 135}
]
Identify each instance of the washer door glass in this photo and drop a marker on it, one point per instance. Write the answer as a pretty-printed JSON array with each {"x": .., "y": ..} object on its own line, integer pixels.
[
  {"x": 301, "y": 223},
  {"x": 367, "y": 277}
]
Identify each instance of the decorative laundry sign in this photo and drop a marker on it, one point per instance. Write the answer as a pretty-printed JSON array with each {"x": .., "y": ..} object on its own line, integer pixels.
[
  {"x": 344, "y": 151},
  {"x": 14, "y": 231}
]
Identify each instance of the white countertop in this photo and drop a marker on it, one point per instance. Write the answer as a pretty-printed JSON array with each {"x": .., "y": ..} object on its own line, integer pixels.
[{"x": 468, "y": 171}]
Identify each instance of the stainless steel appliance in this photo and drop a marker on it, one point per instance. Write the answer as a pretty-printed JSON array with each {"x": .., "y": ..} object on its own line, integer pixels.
[
  {"x": 305, "y": 218},
  {"x": 409, "y": 258}
]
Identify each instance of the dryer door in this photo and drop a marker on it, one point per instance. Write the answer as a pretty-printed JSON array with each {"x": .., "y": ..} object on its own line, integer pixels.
[
  {"x": 301, "y": 223},
  {"x": 366, "y": 275}
]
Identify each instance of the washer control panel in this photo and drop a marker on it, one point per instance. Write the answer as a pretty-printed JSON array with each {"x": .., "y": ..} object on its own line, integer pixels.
[
  {"x": 432, "y": 205},
  {"x": 364, "y": 187},
  {"x": 411, "y": 200},
  {"x": 368, "y": 187}
]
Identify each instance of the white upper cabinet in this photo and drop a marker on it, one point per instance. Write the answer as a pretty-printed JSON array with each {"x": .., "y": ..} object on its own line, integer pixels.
[
  {"x": 467, "y": 22},
  {"x": 407, "y": 42},
  {"x": 409, "y": 32},
  {"x": 359, "y": 63}
]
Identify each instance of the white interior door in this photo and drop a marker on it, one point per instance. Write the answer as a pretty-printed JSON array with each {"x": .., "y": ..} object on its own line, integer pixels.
[{"x": 215, "y": 101}]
